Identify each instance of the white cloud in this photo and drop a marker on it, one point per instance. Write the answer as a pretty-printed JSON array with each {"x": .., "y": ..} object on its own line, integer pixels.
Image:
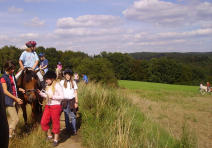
[
  {"x": 169, "y": 13},
  {"x": 30, "y": 35},
  {"x": 89, "y": 21},
  {"x": 35, "y": 22},
  {"x": 86, "y": 32},
  {"x": 13, "y": 9},
  {"x": 194, "y": 33}
]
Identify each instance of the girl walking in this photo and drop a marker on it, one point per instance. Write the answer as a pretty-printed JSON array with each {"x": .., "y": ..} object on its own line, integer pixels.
[
  {"x": 53, "y": 94},
  {"x": 70, "y": 102}
]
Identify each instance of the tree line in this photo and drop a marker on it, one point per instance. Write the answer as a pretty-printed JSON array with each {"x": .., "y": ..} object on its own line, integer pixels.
[{"x": 172, "y": 68}]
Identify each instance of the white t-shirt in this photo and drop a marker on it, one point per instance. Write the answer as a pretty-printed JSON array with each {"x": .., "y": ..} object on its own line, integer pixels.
[{"x": 69, "y": 91}]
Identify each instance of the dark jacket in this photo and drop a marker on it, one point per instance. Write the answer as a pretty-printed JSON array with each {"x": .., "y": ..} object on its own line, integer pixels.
[
  {"x": 4, "y": 134},
  {"x": 8, "y": 101}
]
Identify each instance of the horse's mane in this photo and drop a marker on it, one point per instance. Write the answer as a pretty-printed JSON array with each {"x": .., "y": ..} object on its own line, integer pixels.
[{"x": 29, "y": 74}]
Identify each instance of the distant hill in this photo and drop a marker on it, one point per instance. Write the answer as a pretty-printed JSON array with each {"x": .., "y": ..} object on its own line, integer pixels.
[{"x": 196, "y": 56}]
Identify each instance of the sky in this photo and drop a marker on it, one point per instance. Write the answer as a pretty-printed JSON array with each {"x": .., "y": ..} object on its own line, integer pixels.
[{"x": 93, "y": 26}]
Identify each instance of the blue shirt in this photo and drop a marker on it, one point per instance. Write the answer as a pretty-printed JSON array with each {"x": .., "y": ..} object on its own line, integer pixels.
[
  {"x": 44, "y": 63},
  {"x": 85, "y": 78},
  {"x": 29, "y": 58}
]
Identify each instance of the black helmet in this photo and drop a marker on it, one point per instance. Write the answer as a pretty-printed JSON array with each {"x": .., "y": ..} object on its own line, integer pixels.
[
  {"x": 50, "y": 75},
  {"x": 68, "y": 71}
]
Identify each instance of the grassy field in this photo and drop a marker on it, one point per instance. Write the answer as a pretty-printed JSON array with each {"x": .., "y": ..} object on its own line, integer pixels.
[
  {"x": 173, "y": 107},
  {"x": 110, "y": 119},
  {"x": 149, "y": 86},
  {"x": 137, "y": 115}
]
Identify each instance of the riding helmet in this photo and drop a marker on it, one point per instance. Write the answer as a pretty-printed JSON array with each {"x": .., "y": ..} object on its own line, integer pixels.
[
  {"x": 41, "y": 54},
  {"x": 59, "y": 63},
  {"x": 68, "y": 71},
  {"x": 50, "y": 75},
  {"x": 30, "y": 44}
]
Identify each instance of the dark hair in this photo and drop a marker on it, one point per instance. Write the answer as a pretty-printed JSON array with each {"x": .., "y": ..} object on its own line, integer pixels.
[
  {"x": 68, "y": 71},
  {"x": 9, "y": 65}
]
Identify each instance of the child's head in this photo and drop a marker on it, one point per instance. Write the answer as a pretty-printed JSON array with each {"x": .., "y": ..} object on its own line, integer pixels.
[
  {"x": 9, "y": 67},
  {"x": 31, "y": 45},
  {"x": 42, "y": 56},
  {"x": 68, "y": 74},
  {"x": 49, "y": 77}
]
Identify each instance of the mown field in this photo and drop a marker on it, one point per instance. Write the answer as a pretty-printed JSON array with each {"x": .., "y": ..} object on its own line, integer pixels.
[
  {"x": 174, "y": 107},
  {"x": 137, "y": 115}
]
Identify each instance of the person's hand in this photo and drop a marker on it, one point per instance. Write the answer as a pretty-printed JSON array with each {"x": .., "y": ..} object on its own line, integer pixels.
[
  {"x": 38, "y": 90},
  {"x": 19, "y": 101},
  {"x": 76, "y": 104},
  {"x": 22, "y": 67},
  {"x": 22, "y": 90}
]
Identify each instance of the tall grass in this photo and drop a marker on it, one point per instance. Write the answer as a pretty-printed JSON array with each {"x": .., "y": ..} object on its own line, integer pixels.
[
  {"x": 31, "y": 136},
  {"x": 110, "y": 120}
]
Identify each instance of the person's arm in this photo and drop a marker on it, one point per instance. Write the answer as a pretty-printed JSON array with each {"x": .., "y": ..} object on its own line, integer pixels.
[
  {"x": 6, "y": 92},
  {"x": 21, "y": 60},
  {"x": 44, "y": 67},
  {"x": 21, "y": 64},
  {"x": 75, "y": 94},
  {"x": 35, "y": 65},
  {"x": 42, "y": 94},
  {"x": 76, "y": 98}
]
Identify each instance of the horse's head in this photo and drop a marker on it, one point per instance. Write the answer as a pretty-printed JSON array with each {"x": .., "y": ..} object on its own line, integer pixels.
[{"x": 29, "y": 81}]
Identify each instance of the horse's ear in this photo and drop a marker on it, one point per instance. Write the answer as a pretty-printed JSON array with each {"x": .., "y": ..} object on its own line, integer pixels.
[{"x": 25, "y": 70}]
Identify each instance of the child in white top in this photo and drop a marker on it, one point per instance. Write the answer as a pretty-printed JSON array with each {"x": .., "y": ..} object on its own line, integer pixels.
[
  {"x": 70, "y": 103},
  {"x": 52, "y": 111}
]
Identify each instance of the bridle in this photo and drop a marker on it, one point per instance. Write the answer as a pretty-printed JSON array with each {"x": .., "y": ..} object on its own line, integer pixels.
[{"x": 28, "y": 91}]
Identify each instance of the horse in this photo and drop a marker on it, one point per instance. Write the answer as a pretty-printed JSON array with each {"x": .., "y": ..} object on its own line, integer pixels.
[
  {"x": 30, "y": 82},
  {"x": 204, "y": 89}
]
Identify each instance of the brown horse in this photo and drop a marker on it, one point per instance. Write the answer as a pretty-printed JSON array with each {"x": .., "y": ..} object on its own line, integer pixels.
[{"x": 29, "y": 81}]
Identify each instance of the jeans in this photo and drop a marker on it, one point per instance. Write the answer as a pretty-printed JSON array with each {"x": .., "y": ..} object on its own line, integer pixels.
[{"x": 70, "y": 118}]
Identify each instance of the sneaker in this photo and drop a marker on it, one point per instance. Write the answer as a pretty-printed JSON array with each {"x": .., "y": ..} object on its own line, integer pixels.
[
  {"x": 55, "y": 143},
  {"x": 49, "y": 138},
  {"x": 75, "y": 133}
]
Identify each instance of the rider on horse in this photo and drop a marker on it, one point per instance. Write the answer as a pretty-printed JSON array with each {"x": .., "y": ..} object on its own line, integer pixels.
[
  {"x": 29, "y": 59},
  {"x": 43, "y": 63}
]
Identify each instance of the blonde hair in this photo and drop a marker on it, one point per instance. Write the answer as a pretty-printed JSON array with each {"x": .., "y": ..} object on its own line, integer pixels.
[
  {"x": 28, "y": 49},
  {"x": 52, "y": 86}
]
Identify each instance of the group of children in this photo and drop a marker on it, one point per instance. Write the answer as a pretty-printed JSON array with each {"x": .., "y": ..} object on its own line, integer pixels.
[{"x": 60, "y": 95}]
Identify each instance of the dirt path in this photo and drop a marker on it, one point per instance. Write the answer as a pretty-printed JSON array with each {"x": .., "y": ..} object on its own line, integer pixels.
[
  {"x": 196, "y": 111},
  {"x": 68, "y": 141}
]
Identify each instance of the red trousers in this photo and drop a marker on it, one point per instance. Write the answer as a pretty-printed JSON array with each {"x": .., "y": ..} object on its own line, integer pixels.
[{"x": 51, "y": 112}]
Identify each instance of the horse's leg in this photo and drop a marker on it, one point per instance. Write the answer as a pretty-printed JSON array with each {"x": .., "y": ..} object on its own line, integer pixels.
[
  {"x": 23, "y": 107},
  {"x": 38, "y": 111},
  {"x": 33, "y": 112}
]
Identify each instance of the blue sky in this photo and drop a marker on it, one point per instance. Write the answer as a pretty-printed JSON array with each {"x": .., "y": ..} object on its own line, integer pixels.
[{"x": 93, "y": 26}]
